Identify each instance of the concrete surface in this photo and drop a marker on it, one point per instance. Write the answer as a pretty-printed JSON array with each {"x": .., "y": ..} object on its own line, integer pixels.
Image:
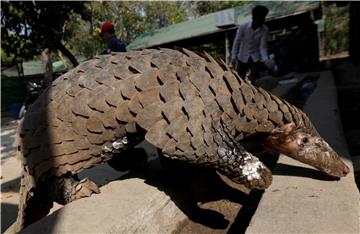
[
  {"x": 10, "y": 176},
  {"x": 301, "y": 199},
  {"x": 126, "y": 206}
]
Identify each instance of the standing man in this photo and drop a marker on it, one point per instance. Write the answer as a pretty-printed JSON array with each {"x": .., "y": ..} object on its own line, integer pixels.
[
  {"x": 108, "y": 34},
  {"x": 249, "y": 48}
]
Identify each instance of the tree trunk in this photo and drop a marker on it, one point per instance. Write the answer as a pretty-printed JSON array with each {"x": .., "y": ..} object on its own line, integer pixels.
[
  {"x": 47, "y": 63},
  {"x": 67, "y": 53},
  {"x": 67, "y": 64}
]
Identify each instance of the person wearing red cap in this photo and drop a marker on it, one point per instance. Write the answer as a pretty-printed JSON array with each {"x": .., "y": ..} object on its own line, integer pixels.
[{"x": 108, "y": 34}]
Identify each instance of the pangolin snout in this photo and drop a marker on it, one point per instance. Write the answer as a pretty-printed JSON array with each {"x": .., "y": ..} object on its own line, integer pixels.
[
  {"x": 345, "y": 170},
  {"x": 341, "y": 170}
]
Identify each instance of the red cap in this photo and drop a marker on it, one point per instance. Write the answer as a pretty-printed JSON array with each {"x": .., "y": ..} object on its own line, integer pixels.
[{"x": 106, "y": 26}]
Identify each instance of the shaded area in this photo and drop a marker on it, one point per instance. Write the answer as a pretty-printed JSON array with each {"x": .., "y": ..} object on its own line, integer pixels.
[
  {"x": 192, "y": 188},
  {"x": 291, "y": 170},
  {"x": 347, "y": 75},
  {"x": 7, "y": 217},
  {"x": 11, "y": 186}
]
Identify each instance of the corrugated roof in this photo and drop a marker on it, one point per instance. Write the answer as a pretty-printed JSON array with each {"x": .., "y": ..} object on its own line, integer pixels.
[
  {"x": 33, "y": 68},
  {"x": 205, "y": 25}
]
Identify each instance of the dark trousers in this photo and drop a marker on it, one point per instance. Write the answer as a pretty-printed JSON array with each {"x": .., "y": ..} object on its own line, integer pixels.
[{"x": 253, "y": 67}]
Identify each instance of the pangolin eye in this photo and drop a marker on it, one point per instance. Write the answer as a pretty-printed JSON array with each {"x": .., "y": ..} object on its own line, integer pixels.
[{"x": 305, "y": 140}]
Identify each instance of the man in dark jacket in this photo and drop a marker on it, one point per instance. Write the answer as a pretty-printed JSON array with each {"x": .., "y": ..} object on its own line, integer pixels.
[{"x": 108, "y": 34}]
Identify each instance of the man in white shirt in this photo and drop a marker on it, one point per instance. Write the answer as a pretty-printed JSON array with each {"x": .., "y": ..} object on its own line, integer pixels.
[{"x": 249, "y": 48}]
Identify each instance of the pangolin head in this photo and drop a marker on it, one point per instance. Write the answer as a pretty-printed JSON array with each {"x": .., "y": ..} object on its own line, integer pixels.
[{"x": 305, "y": 145}]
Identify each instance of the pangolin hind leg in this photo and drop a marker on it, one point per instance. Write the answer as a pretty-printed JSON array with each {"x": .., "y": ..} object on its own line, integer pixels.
[{"x": 68, "y": 188}]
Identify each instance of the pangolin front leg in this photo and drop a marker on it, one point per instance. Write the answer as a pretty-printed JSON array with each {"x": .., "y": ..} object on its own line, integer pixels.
[{"x": 237, "y": 163}]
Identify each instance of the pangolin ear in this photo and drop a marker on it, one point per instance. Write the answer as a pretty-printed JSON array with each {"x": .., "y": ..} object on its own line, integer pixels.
[{"x": 284, "y": 130}]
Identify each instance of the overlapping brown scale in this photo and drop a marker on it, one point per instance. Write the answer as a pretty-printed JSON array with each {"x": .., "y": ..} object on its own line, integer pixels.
[
  {"x": 157, "y": 134},
  {"x": 276, "y": 117},
  {"x": 178, "y": 127},
  {"x": 265, "y": 126},
  {"x": 214, "y": 70},
  {"x": 169, "y": 148},
  {"x": 63, "y": 111},
  {"x": 96, "y": 100},
  {"x": 242, "y": 124},
  {"x": 184, "y": 142},
  {"x": 187, "y": 90},
  {"x": 134, "y": 104},
  {"x": 122, "y": 112},
  {"x": 64, "y": 148},
  {"x": 247, "y": 92},
  {"x": 121, "y": 71},
  {"x": 200, "y": 79},
  {"x": 105, "y": 77},
  {"x": 170, "y": 91},
  {"x": 183, "y": 73},
  {"x": 101, "y": 61},
  {"x": 238, "y": 100},
  {"x": 224, "y": 102},
  {"x": 85, "y": 81},
  {"x": 140, "y": 64},
  {"x": 160, "y": 59},
  {"x": 150, "y": 115},
  {"x": 219, "y": 87},
  {"x": 147, "y": 79},
  {"x": 176, "y": 57},
  {"x": 195, "y": 124},
  {"x": 113, "y": 95},
  {"x": 196, "y": 62},
  {"x": 79, "y": 126},
  {"x": 261, "y": 115},
  {"x": 212, "y": 109},
  {"x": 172, "y": 108},
  {"x": 54, "y": 93},
  {"x": 194, "y": 107},
  {"x": 131, "y": 127},
  {"x": 32, "y": 119},
  {"x": 82, "y": 143},
  {"x": 260, "y": 100},
  {"x": 127, "y": 87},
  {"x": 79, "y": 105},
  {"x": 94, "y": 125},
  {"x": 149, "y": 96},
  {"x": 29, "y": 143},
  {"x": 167, "y": 73},
  {"x": 74, "y": 90}
]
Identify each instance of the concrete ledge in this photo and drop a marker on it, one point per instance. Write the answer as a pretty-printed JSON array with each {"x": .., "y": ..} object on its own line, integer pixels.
[
  {"x": 301, "y": 199},
  {"x": 125, "y": 206}
]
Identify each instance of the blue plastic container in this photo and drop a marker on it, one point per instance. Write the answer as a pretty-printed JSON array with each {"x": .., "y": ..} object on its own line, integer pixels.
[{"x": 15, "y": 109}]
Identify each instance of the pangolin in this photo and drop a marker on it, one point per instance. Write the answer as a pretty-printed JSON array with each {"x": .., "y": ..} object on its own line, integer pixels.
[{"x": 190, "y": 106}]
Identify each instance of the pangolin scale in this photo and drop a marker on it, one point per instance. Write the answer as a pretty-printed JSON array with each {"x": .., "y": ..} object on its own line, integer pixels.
[{"x": 189, "y": 105}]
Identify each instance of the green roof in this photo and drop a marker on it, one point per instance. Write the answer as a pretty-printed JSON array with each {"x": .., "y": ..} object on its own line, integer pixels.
[
  {"x": 33, "y": 68},
  {"x": 206, "y": 24}
]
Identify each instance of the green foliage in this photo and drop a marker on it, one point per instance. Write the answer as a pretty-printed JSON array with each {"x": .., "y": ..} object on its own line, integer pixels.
[
  {"x": 336, "y": 35},
  {"x": 206, "y": 7},
  {"x": 130, "y": 20},
  {"x": 30, "y": 26}
]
